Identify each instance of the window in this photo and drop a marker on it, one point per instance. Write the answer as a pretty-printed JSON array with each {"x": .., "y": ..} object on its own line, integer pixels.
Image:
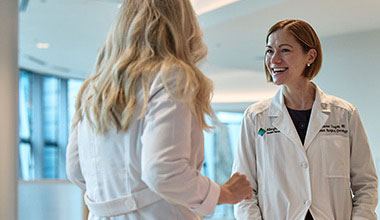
[
  {"x": 73, "y": 89},
  {"x": 46, "y": 108},
  {"x": 50, "y": 99},
  {"x": 220, "y": 146},
  {"x": 25, "y": 148}
]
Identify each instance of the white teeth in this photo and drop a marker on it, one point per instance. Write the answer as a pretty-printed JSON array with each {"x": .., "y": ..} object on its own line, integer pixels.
[{"x": 279, "y": 69}]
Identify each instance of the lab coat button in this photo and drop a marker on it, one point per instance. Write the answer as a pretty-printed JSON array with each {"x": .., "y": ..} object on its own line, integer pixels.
[
  {"x": 130, "y": 204},
  {"x": 306, "y": 202},
  {"x": 304, "y": 165}
]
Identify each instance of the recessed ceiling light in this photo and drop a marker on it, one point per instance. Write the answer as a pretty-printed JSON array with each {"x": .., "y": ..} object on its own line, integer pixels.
[
  {"x": 202, "y": 6},
  {"x": 42, "y": 45}
]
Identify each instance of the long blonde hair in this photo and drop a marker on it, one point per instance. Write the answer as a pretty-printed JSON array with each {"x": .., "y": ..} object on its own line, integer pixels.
[{"x": 148, "y": 37}]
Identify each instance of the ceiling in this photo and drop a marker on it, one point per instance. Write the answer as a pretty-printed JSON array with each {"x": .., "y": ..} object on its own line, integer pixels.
[{"x": 234, "y": 31}]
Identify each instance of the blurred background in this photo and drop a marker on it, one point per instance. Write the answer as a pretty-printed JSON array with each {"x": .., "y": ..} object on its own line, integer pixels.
[{"x": 58, "y": 44}]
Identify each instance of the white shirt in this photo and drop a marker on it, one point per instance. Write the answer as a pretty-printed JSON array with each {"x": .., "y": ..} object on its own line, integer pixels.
[
  {"x": 289, "y": 178},
  {"x": 161, "y": 155}
]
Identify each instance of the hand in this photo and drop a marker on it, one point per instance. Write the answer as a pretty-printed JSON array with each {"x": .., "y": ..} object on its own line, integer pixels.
[{"x": 235, "y": 189}]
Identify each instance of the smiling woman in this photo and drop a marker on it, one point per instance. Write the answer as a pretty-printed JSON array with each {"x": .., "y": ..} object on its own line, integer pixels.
[
  {"x": 292, "y": 48},
  {"x": 305, "y": 152}
]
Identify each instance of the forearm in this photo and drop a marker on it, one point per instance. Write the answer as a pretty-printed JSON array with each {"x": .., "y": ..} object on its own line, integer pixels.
[{"x": 180, "y": 184}]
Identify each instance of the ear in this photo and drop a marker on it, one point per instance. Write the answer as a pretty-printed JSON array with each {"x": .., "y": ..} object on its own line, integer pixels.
[{"x": 312, "y": 55}]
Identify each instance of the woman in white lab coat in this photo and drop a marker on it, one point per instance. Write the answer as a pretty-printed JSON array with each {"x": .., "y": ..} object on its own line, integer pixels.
[
  {"x": 305, "y": 152},
  {"x": 136, "y": 146}
]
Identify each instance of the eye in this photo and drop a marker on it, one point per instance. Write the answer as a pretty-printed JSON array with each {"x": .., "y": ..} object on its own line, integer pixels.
[
  {"x": 285, "y": 50},
  {"x": 268, "y": 51}
]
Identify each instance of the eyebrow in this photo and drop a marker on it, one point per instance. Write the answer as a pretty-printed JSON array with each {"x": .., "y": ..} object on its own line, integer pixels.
[{"x": 281, "y": 45}]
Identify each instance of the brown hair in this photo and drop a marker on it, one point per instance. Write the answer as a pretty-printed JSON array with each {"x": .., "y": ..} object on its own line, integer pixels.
[{"x": 306, "y": 37}]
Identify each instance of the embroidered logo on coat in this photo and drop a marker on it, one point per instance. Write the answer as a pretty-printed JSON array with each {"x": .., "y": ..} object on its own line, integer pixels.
[{"x": 261, "y": 132}]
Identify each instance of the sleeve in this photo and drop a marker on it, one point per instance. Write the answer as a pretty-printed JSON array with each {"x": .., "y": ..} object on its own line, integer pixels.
[
  {"x": 363, "y": 174},
  {"x": 73, "y": 169},
  {"x": 166, "y": 155},
  {"x": 245, "y": 163}
]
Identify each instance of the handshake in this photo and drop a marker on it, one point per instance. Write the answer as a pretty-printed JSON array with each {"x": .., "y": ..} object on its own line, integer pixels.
[{"x": 235, "y": 189}]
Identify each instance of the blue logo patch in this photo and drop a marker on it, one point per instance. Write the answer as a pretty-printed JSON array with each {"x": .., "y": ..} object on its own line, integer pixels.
[{"x": 261, "y": 132}]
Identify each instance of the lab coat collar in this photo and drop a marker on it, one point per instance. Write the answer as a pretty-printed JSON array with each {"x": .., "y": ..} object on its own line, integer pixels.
[
  {"x": 321, "y": 102},
  {"x": 319, "y": 115},
  {"x": 283, "y": 122}
]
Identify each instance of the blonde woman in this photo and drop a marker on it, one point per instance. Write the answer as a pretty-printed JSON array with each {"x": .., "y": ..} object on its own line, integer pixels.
[{"x": 136, "y": 145}]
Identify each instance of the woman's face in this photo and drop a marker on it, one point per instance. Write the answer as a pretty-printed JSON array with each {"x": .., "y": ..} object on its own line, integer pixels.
[{"x": 285, "y": 59}]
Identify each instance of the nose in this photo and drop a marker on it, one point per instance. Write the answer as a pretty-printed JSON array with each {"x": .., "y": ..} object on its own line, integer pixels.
[{"x": 276, "y": 58}]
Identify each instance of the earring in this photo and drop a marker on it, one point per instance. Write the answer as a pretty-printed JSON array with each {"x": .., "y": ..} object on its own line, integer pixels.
[{"x": 308, "y": 65}]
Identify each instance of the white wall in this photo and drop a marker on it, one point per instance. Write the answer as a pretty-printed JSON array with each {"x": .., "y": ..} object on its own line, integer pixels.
[
  {"x": 354, "y": 75},
  {"x": 8, "y": 109}
]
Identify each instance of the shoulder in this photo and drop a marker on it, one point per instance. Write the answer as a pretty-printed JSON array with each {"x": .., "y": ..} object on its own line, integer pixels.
[
  {"x": 168, "y": 79},
  {"x": 156, "y": 86},
  {"x": 339, "y": 103},
  {"x": 257, "y": 108}
]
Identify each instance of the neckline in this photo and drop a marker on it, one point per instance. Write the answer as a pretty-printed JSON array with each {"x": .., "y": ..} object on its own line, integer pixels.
[{"x": 307, "y": 110}]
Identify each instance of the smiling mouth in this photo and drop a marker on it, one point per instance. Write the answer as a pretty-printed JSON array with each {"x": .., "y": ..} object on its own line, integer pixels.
[{"x": 276, "y": 71}]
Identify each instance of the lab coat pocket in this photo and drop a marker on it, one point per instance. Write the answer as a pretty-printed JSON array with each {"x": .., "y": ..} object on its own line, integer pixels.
[{"x": 336, "y": 156}]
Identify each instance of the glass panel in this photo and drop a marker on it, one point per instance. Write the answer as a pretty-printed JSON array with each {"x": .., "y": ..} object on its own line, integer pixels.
[
  {"x": 24, "y": 105},
  {"x": 42, "y": 151},
  {"x": 51, "y": 155},
  {"x": 232, "y": 121},
  {"x": 50, "y": 108},
  {"x": 26, "y": 166},
  {"x": 73, "y": 89},
  {"x": 220, "y": 146}
]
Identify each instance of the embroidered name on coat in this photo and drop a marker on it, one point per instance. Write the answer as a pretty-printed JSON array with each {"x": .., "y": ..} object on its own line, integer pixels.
[
  {"x": 272, "y": 130},
  {"x": 334, "y": 129}
]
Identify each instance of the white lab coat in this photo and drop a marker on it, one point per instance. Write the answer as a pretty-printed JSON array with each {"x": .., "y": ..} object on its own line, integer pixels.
[
  {"x": 289, "y": 178},
  {"x": 149, "y": 172}
]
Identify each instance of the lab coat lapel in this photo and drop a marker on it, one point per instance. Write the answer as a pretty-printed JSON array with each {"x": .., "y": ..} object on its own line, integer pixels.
[
  {"x": 282, "y": 120},
  {"x": 319, "y": 115}
]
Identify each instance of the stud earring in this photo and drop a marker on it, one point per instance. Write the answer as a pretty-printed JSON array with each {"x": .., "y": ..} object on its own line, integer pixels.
[{"x": 308, "y": 65}]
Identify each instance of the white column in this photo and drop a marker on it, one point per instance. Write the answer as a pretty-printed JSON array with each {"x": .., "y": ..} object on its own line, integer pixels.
[{"x": 8, "y": 108}]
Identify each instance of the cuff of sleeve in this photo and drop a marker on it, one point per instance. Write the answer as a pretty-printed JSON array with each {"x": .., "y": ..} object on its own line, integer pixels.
[
  {"x": 358, "y": 218},
  {"x": 207, "y": 207},
  {"x": 363, "y": 218}
]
